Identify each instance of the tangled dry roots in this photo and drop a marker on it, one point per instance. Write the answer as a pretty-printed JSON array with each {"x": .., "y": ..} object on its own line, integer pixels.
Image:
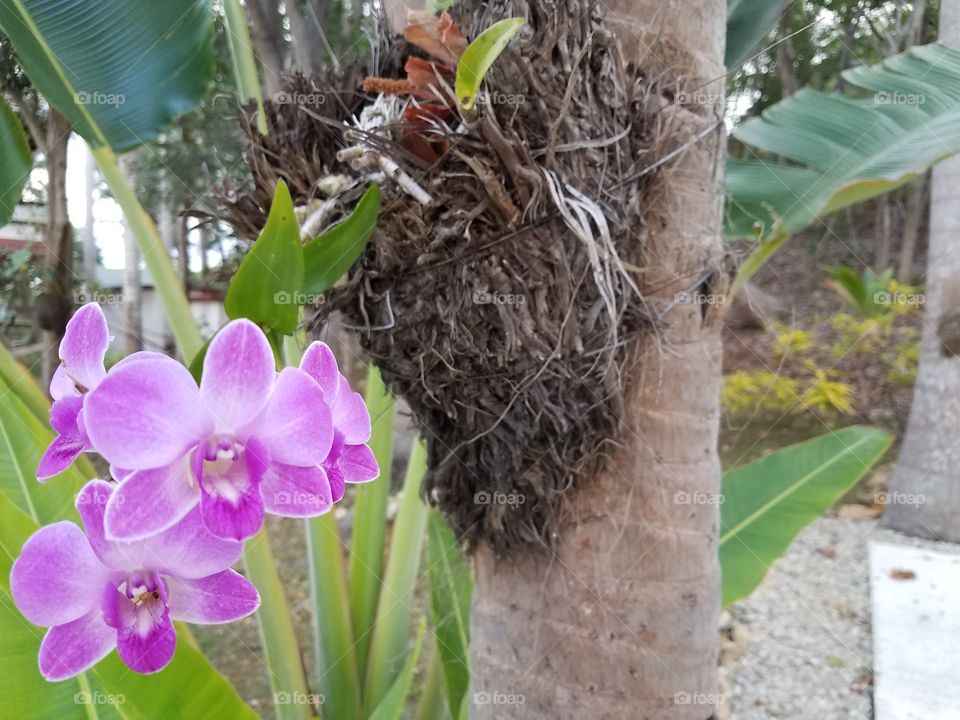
[{"x": 503, "y": 311}]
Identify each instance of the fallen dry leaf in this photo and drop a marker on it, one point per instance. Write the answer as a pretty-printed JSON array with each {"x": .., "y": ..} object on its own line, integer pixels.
[{"x": 901, "y": 574}]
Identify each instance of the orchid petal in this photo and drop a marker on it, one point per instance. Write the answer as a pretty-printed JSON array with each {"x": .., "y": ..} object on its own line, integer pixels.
[
  {"x": 350, "y": 415},
  {"x": 291, "y": 491},
  {"x": 73, "y": 647},
  {"x": 146, "y": 414},
  {"x": 296, "y": 427},
  {"x": 230, "y": 502},
  {"x": 320, "y": 363},
  {"x": 149, "y": 501},
  {"x": 238, "y": 374},
  {"x": 84, "y": 346},
  {"x": 57, "y": 577},
  {"x": 186, "y": 550},
  {"x": 220, "y": 598},
  {"x": 70, "y": 440},
  {"x": 58, "y": 457},
  {"x": 336, "y": 480},
  {"x": 146, "y": 639},
  {"x": 358, "y": 464},
  {"x": 61, "y": 386}
]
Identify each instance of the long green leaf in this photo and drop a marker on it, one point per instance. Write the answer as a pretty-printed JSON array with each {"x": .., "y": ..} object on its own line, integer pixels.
[
  {"x": 749, "y": 22},
  {"x": 365, "y": 568},
  {"x": 267, "y": 285},
  {"x": 768, "y": 502},
  {"x": 451, "y": 587},
  {"x": 334, "y": 644},
  {"x": 23, "y": 439},
  {"x": 393, "y": 703},
  {"x": 284, "y": 662},
  {"x": 140, "y": 63},
  {"x": 845, "y": 148},
  {"x": 329, "y": 255},
  {"x": 479, "y": 56},
  {"x": 244, "y": 65},
  {"x": 391, "y": 633},
  {"x": 17, "y": 161}
]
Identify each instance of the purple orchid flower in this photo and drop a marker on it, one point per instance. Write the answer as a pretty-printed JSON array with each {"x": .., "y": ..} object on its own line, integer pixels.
[
  {"x": 81, "y": 369},
  {"x": 242, "y": 444},
  {"x": 350, "y": 459},
  {"x": 96, "y": 595}
]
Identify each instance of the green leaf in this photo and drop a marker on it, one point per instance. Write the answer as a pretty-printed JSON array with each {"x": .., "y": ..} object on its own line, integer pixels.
[
  {"x": 370, "y": 519},
  {"x": 391, "y": 631},
  {"x": 332, "y": 253},
  {"x": 23, "y": 440},
  {"x": 479, "y": 56},
  {"x": 749, "y": 22},
  {"x": 269, "y": 281},
  {"x": 393, "y": 703},
  {"x": 140, "y": 63},
  {"x": 845, "y": 148},
  {"x": 768, "y": 502},
  {"x": 17, "y": 161},
  {"x": 758, "y": 258},
  {"x": 451, "y": 587},
  {"x": 186, "y": 688}
]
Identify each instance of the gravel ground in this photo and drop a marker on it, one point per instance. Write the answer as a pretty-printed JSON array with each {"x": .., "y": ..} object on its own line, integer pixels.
[{"x": 800, "y": 646}]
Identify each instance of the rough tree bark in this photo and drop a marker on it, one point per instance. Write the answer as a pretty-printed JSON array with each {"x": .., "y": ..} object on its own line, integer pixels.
[
  {"x": 912, "y": 219},
  {"x": 56, "y": 303},
  {"x": 620, "y": 620},
  {"x": 925, "y": 497},
  {"x": 785, "y": 58}
]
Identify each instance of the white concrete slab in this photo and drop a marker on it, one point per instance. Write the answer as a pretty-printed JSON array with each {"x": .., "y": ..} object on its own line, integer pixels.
[{"x": 916, "y": 632}]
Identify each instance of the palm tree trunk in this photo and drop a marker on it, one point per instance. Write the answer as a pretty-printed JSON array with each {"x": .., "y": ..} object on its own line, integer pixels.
[
  {"x": 56, "y": 303},
  {"x": 925, "y": 494},
  {"x": 912, "y": 219},
  {"x": 619, "y": 619}
]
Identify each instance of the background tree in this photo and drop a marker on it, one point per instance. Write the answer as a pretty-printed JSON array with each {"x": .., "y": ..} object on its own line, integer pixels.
[
  {"x": 931, "y": 452},
  {"x": 49, "y": 133}
]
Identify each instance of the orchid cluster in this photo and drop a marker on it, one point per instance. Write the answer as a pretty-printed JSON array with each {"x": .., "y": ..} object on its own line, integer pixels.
[{"x": 194, "y": 470}]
